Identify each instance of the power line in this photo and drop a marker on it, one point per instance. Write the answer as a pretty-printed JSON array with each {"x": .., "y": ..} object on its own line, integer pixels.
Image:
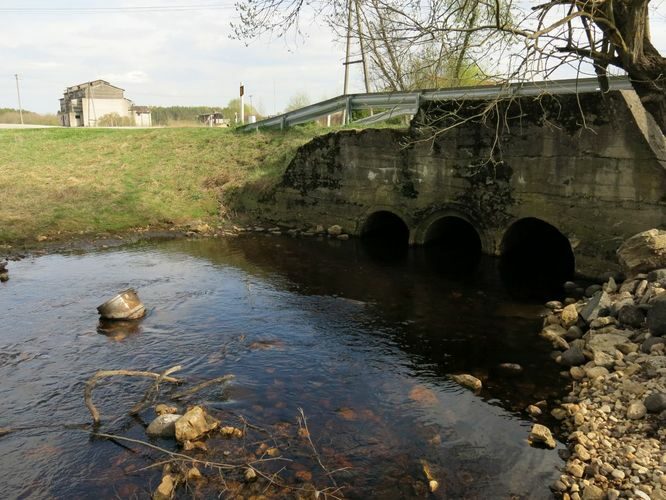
[{"x": 138, "y": 9}]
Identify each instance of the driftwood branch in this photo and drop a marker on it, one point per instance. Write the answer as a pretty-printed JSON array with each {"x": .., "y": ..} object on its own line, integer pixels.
[
  {"x": 90, "y": 385},
  {"x": 202, "y": 385},
  {"x": 153, "y": 390}
]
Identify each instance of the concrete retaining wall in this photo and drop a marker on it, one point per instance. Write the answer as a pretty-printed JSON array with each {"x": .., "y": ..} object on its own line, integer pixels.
[{"x": 593, "y": 166}]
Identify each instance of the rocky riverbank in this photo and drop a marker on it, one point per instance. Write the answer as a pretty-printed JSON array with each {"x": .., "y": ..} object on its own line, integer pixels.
[{"x": 611, "y": 344}]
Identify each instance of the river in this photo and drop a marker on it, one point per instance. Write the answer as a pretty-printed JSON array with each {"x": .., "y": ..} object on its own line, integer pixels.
[{"x": 361, "y": 342}]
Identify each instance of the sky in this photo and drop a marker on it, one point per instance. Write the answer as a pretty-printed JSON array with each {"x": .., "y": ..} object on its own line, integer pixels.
[{"x": 176, "y": 57}]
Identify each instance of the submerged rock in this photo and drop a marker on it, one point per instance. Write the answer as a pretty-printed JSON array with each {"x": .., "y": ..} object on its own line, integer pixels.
[
  {"x": 166, "y": 488},
  {"x": 161, "y": 409}
]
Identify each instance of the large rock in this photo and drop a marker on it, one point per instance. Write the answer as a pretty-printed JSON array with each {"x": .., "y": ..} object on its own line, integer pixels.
[
  {"x": 656, "y": 318},
  {"x": 194, "y": 424},
  {"x": 631, "y": 315},
  {"x": 643, "y": 252},
  {"x": 655, "y": 403},
  {"x": 163, "y": 426},
  {"x": 598, "y": 305}
]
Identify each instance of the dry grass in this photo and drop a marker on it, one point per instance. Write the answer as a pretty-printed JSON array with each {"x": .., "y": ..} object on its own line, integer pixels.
[{"x": 66, "y": 181}]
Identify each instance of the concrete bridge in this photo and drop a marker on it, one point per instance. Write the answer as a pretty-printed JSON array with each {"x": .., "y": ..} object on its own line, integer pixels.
[{"x": 563, "y": 179}]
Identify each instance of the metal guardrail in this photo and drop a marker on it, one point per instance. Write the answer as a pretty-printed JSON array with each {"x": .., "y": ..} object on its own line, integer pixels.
[{"x": 403, "y": 103}]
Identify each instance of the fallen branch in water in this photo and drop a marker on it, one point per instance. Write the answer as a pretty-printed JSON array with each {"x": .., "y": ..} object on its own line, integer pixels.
[
  {"x": 273, "y": 479},
  {"x": 303, "y": 424},
  {"x": 90, "y": 385},
  {"x": 201, "y": 386},
  {"x": 152, "y": 392}
]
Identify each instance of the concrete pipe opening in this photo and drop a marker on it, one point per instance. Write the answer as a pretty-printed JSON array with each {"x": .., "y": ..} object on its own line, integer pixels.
[
  {"x": 385, "y": 235},
  {"x": 536, "y": 259},
  {"x": 452, "y": 244}
]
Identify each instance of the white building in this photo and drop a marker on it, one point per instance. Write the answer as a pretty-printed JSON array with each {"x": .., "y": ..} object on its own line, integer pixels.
[{"x": 98, "y": 103}]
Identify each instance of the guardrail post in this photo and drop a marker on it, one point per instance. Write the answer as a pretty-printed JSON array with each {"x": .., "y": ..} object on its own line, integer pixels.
[
  {"x": 348, "y": 110},
  {"x": 283, "y": 122}
]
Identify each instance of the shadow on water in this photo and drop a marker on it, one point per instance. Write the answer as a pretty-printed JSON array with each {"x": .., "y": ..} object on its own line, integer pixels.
[{"x": 363, "y": 344}]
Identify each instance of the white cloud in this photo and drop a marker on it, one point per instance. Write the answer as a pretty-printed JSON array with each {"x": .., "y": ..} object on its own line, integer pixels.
[{"x": 135, "y": 76}]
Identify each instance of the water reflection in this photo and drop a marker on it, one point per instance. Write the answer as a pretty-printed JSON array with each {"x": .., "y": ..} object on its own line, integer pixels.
[{"x": 119, "y": 330}]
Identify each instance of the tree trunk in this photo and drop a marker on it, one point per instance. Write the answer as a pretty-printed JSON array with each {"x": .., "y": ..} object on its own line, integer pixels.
[{"x": 637, "y": 56}]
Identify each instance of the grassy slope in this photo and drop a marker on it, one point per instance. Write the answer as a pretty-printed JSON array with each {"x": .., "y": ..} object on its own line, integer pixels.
[{"x": 64, "y": 181}]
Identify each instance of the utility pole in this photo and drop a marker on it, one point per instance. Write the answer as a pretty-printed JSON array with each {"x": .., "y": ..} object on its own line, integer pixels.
[
  {"x": 362, "y": 44},
  {"x": 242, "y": 104},
  {"x": 18, "y": 93},
  {"x": 346, "y": 118}
]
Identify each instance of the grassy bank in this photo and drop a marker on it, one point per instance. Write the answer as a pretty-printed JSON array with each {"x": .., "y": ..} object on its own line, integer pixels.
[{"x": 58, "y": 182}]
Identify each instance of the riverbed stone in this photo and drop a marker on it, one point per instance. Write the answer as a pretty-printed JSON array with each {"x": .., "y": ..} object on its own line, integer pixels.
[
  {"x": 334, "y": 230},
  {"x": 577, "y": 373},
  {"x": 468, "y": 381},
  {"x": 541, "y": 434},
  {"x": 631, "y": 315},
  {"x": 592, "y": 289},
  {"x": 604, "y": 359},
  {"x": 592, "y": 492},
  {"x": 165, "y": 489},
  {"x": 569, "y": 315},
  {"x": 643, "y": 252},
  {"x": 636, "y": 410},
  {"x": 194, "y": 424},
  {"x": 597, "y": 306},
  {"x": 511, "y": 368},
  {"x": 596, "y": 371},
  {"x": 658, "y": 276},
  {"x": 655, "y": 403},
  {"x": 606, "y": 342},
  {"x": 656, "y": 317},
  {"x": 573, "y": 356},
  {"x": 575, "y": 469},
  {"x": 573, "y": 333},
  {"x": 648, "y": 343},
  {"x": 163, "y": 426}
]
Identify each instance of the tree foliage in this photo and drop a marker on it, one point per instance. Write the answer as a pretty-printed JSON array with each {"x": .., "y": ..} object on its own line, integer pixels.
[
  {"x": 498, "y": 40},
  {"x": 297, "y": 101}
]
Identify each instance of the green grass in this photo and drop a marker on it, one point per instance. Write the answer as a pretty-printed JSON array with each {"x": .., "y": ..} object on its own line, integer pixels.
[{"x": 59, "y": 182}]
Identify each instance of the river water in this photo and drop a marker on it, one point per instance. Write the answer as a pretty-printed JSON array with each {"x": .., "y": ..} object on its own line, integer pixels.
[{"x": 361, "y": 342}]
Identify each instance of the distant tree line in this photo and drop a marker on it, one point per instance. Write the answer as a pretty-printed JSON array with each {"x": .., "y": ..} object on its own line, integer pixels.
[
  {"x": 11, "y": 115},
  {"x": 169, "y": 115}
]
